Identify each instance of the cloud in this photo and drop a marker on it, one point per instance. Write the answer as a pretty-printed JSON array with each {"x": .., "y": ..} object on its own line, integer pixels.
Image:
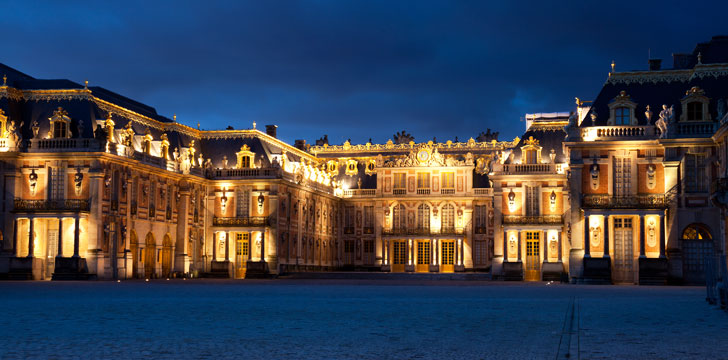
[{"x": 349, "y": 69}]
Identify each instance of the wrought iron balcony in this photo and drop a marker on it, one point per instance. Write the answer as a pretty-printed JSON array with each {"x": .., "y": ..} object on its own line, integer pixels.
[
  {"x": 422, "y": 231},
  {"x": 532, "y": 220},
  {"x": 241, "y": 221},
  {"x": 51, "y": 205},
  {"x": 650, "y": 201}
]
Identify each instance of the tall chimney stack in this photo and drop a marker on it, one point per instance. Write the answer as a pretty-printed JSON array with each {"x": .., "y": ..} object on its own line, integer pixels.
[{"x": 271, "y": 130}]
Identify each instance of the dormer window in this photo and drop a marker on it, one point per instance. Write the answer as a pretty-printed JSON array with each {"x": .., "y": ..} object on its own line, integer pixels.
[
  {"x": 622, "y": 110},
  {"x": 695, "y": 111},
  {"x": 245, "y": 157},
  {"x": 60, "y": 124},
  {"x": 622, "y": 116},
  {"x": 695, "y": 105},
  {"x": 531, "y": 152}
]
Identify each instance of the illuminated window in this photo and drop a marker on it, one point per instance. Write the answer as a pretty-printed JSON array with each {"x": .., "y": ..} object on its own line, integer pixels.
[
  {"x": 423, "y": 252},
  {"x": 399, "y": 217},
  {"x": 448, "y": 180},
  {"x": 448, "y": 217},
  {"x": 695, "y": 111},
  {"x": 423, "y": 217},
  {"x": 400, "y": 181},
  {"x": 423, "y": 180},
  {"x": 621, "y": 116}
]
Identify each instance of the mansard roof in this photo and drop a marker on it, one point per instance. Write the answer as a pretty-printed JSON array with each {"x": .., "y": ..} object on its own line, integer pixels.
[{"x": 706, "y": 68}]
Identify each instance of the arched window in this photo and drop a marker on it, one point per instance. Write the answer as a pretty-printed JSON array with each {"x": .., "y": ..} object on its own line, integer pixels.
[
  {"x": 621, "y": 116},
  {"x": 423, "y": 217},
  {"x": 695, "y": 111},
  {"x": 697, "y": 246},
  {"x": 696, "y": 232},
  {"x": 399, "y": 217},
  {"x": 448, "y": 217}
]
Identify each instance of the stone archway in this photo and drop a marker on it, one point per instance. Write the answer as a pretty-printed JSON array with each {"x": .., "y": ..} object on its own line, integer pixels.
[{"x": 150, "y": 252}]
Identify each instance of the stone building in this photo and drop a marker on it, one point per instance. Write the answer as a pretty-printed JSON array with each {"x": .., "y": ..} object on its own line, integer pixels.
[{"x": 626, "y": 188}]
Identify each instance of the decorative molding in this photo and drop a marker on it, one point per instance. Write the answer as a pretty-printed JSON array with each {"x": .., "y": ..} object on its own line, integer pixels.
[{"x": 700, "y": 71}]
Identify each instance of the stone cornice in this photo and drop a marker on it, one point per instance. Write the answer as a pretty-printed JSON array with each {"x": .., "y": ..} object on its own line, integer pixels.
[{"x": 700, "y": 71}]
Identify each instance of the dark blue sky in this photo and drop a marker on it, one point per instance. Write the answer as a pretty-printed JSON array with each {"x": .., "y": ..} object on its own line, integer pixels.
[{"x": 351, "y": 69}]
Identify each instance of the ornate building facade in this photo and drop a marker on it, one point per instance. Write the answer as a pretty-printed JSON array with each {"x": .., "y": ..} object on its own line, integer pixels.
[{"x": 628, "y": 188}]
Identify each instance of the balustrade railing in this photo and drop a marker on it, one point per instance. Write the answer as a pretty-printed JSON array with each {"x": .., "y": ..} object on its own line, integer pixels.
[
  {"x": 591, "y": 133},
  {"x": 528, "y": 168},
  {"x": 532, "y": 220},
  {"x": 247, "y": 173},
  {"x": 649, "y": 201},
  {"x": 447, "y": 191},
  {"x": 707, "y": 128},
  {"x": 63, "y": 145},
  {"x": 51, "y": 205},
  {"x": 241, "y": 221},
  {"x": 399, "y": 191},
  {"x": 359, "y": 192}
]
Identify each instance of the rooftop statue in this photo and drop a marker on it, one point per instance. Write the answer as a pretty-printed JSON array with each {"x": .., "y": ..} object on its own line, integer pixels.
[
  {"x": 403, "y": 137},
  {"x": 487, "y": 136},
  {"x": 666, "y": 118}
]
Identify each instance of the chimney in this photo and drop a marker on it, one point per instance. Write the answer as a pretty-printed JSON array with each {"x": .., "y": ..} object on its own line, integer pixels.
[
  {"x": 271, "y": 130},
  {"x": 681, "y": 61},
  {"x": 300, "y": 144},
  {"x": 655, "y": 64}
]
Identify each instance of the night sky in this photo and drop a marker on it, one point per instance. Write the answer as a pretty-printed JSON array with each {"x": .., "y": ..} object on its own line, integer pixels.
[{"x": 351, "y": 69}]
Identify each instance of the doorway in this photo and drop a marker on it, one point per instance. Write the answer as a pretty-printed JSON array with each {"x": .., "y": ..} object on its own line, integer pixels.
[{"x": 623, "y": 251}]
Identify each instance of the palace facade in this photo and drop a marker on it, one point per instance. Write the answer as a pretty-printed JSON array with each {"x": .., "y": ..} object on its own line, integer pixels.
[{"x": 627, "y": 188}]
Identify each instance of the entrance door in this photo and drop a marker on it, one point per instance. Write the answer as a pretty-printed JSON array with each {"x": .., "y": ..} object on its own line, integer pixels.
[
  {"x": 348, "y": 252},
  {"x": 166, "y": 256},
  {"x": 533, "y": 256},
  {"x": 242, "y": 254},
  {"x": 447, "y": 256},
  {"x": 623, "y": 251},
  {"x": 399, "y": 251},
  {"x": 150, "y": 256},
  {"x": 423, "y": 256}
]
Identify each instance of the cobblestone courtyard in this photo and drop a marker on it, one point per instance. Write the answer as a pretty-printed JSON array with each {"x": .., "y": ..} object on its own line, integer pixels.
[{"x": 330, "y": 319}]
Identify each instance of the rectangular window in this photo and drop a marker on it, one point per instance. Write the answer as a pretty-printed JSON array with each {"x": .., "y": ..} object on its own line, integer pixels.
[
  {"x": 448, "y": 180},
  {"x": 480, "y": 216},
  {"x": 695, "y": 111},
  {"x": 423, "y": 180},
  {"x": 400, "y": 181},
  {"x": 349, "y": 220},
  {"x": 58, "y": 182},
  {"x": 622, "y": 177},
  {"x": 59, "y": 129},
  {"x": 695, "y": 179},
  {"x": 532, "y": 195},
  {"x": 242, "y": 203},
  {"x": 621, "y": 116},
  {"x": 369, "y": 216},
  {"x": 480, "y": 252}
]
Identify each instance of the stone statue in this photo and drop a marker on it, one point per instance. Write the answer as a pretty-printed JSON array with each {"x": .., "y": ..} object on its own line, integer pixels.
[
  {"x": 34, "y": 126},
  {"x": 487, "y": 136},
  {"x": 323, "y": 141},
  {"x": 663, "y": 123},
  {"x": 14, "y": 133},
  {"x": 100, "y": 133},
  {"x": 648, "y": 115},
  {"x": 403, "y": 137}
]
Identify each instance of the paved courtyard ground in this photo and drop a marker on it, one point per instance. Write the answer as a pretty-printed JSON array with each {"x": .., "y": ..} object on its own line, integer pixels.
[{"x": 329, "y": 319}]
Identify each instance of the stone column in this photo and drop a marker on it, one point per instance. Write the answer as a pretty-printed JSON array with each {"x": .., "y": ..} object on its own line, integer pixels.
[
  {"x": 462, "y": 252},
  {"x": 642, "y": 236},
  {"x": 606, "y": 236},
  {"x": 15, "y": 237},
  {"x": 214, "y": 246},
  {"x": 262, "y": 245},
  {"x": 436, "y": 252},
  {"x": 505, "y": 246},
  {"x": 60, "y": 237},
  {"x": 227, "y": 246},
  {"x": 30, "y": 238},
  {"x": 519, "y": 246},
  {"x": 559, "y": 245},
  {"x": 545, "y": 241},
  {"x": 587, "y": 240},
  {"x": 662, "y": 236},
  {"x": 432, "y": 254},
  {"x": 77, "y": 237}
]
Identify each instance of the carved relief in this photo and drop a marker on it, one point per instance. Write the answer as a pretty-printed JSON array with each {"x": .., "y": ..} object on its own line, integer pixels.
[
  {"x": 651, "y": 233},
  {"x": 594, "y": 176},
  {"x": 651, "y": 178}
]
